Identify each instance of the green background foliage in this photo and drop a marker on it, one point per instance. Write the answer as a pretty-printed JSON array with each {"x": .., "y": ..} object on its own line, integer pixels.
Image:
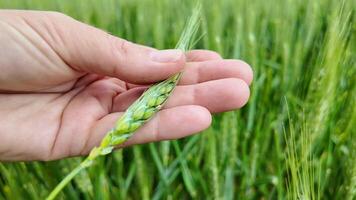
[{"x": 295, "y": 139}]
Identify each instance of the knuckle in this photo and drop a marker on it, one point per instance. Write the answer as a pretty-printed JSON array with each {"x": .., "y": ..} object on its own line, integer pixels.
[
  {"x": 56, "y": 15},
  {"x": 202, "y": 55},
  {"x": 122, "y": 46},
  {"x": 119, "y": 49},
  {"x": 156, "y": 128},
  {"x": 214, "y": 55},
  {"x": 196, "y": 93},
  {"x": 117, "y": 52}
]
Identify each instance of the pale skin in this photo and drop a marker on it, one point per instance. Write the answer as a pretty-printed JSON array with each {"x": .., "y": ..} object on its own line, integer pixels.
[{"x": 63, "y": 84}]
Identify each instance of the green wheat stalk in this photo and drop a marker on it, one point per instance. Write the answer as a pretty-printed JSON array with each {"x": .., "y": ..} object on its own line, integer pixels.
[{"x": 140, "y": 111}]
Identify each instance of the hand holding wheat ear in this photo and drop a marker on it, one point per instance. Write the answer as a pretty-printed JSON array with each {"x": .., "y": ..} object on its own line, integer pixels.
[
  {"x": 68, "y": 83},
  {"x": 139, "y": 112}
]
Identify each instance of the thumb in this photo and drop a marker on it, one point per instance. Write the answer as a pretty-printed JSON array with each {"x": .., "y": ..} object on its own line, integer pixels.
[{"x": 92, "y": 50}]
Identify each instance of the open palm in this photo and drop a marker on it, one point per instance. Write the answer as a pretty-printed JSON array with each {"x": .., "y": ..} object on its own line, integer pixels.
[{"x": 63, "y": 84}]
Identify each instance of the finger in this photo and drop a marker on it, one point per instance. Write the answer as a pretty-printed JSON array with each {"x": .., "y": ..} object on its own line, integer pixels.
[
  {"x": 202, "y": 55},
  {"x": 168, "y": 124},
  {"x": 198, "y": 72},
  {"x": 217, "y": 96},
  {"x": 193, "y": 56},
  {"x": 89, "y": 49}
]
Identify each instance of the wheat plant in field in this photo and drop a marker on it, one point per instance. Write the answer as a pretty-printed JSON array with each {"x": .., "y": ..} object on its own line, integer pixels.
[{"x": 301, "y": 52}]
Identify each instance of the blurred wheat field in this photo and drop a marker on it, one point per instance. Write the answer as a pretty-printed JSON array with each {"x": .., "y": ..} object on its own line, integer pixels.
[{"x": 295, "y": 139}]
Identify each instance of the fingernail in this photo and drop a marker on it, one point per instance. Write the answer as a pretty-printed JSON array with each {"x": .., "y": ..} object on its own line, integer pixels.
[{"x": 171, "y": 55}]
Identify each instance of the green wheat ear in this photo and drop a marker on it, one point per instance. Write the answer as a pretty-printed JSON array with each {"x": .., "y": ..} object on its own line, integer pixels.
[
  {"x": 143, "y": 109},
  {"x": 150, "y": 102}
]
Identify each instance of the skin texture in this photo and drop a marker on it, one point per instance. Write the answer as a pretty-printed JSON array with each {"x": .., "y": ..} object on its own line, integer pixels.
[{"x": 63, "y": 84}]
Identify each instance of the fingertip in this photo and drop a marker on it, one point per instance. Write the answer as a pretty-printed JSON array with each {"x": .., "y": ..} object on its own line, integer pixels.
[
  {"x": 233, "y": 94},
  {"x": 203, "y": 117},
  {"x": 182, "y": 121},
  {"x": 244, "y": 71},
  {"x": 241, "y": 94},
  {"x": 199, "y": 117},
  {"x": 188, "y": 119},
  {"x": 248, "y": 72}
]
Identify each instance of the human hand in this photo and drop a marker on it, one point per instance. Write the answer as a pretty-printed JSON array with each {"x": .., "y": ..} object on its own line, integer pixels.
[{"x": 63, "y": 84}]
